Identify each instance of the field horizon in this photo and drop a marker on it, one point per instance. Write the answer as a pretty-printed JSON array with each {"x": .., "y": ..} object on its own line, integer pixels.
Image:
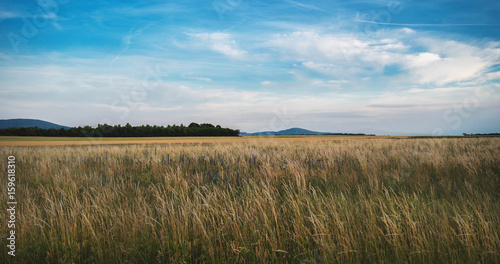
[
  {"x": 40, "y": 141},
  {"x": 61, "y": 141}
]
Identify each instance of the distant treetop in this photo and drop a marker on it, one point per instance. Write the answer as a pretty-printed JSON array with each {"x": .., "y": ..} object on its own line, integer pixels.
[{"x": 105, "y": 130}]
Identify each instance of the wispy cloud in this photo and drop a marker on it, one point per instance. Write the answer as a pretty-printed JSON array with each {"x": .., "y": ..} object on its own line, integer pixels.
[
  {"x": 140, "y": 106},
  {"x": 451, "y": 61},
  {"x": 5, "y": 14},
  {"x": 426, "y": 25},
  {"x": 312, "y": 7},
  {"x": 338, "y": 55},
  {"x": 148, "y": 10},
  {"x": 221, "y": 43},
  {"x": 127, "y": 40},
  {"x": 198, "y": 78}
]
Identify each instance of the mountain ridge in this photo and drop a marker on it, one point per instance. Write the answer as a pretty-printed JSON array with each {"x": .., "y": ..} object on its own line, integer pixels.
[
  {"x": 25, "y": 122},
  {"x": 290, "y": 131}
]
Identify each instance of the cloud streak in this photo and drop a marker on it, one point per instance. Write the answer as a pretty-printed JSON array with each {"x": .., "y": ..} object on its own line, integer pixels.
[
  {"x": 221, "y": 43},
  {"x": 426, "y": 25}
]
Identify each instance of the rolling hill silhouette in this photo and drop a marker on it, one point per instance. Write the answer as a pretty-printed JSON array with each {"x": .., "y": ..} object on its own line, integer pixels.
[{"x": 7, "y": 123}]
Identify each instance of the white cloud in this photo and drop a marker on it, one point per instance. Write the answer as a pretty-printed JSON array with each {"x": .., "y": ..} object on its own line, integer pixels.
[
  {"x": 305, "y": 46},
  {"x": 306, "y": 6},
  {"x": 339, "y": 54},
  {"x": 203, "y": 95},
  {"x": 449, "y": 70},
  {"x": 418, "y": 98},
  {"x": 127, "y": 40},
  {"x": 204, "y": 79},
  {"x": 221, "y": 43},
  {"x": 334, "y": 84},
  {"x": 9, "y": 14},
  {"x": 346, "y": 56},
  {"x": 3, "y": 56},
  {"x": 450, "y": 61},
  {"x": 138, "y": 106},
  {"x": 407, "y": 31},
  {"x": 422, "y": 59},
  {"x": 113, "y": 108},
  {"x": 149, "y": 10},
  {"x": 493, "y": 75},
  {"x": 335, "y": 70}
]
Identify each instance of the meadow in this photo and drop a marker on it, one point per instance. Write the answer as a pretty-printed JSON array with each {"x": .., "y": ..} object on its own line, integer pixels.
[
  {"x": 375, "y": 200},
  {"x": 68, "y": 141}
]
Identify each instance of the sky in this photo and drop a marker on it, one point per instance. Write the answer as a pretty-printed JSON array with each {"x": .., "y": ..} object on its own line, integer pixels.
[{"x": 384, "y": 67}]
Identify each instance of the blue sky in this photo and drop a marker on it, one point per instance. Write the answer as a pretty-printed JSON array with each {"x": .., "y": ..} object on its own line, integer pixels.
[{"x": 419, "y": 67}]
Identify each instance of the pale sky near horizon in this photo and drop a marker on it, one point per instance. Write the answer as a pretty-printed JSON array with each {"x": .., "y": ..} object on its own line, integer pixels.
[{"x": 384, "y": 67}]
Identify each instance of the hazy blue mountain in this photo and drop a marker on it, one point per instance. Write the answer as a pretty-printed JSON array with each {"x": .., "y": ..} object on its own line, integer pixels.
[
  {"x": 291, "y": 131},
  {"x": 6, "y": 123}
]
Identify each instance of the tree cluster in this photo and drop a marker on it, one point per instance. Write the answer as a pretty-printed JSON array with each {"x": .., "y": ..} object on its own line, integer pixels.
[
  {"x": 104, "y": 130},
  {"x": 482, "y": 135}
]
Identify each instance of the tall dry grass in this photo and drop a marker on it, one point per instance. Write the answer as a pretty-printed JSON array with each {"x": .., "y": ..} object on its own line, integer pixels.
[{"x": 370, "y": 201}]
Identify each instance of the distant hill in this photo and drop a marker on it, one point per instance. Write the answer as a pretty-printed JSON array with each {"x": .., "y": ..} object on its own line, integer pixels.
[
  {"x": 7, "y": 123},
  {"x": 291, "y": 131}
]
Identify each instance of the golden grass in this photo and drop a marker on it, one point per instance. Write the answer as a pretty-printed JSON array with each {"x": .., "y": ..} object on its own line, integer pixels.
[
  {"x": 334, "y": 201},
  {"x": 65, "y": 141}
]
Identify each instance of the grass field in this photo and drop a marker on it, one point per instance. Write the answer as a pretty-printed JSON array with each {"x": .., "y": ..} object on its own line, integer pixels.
[
  {"x": 63, "y": 141},
  {"x": 298, "y": 200}
]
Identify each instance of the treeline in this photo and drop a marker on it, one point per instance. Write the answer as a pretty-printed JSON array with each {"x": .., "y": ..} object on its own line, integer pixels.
[
  {"x": 482, "y": 135},
  {"x": 106, "y": 130}
]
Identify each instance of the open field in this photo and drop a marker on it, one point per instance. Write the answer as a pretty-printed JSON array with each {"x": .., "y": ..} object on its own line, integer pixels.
[
  {"x": 291, "y": 200},
  {"x": 61, "y": 141}
]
